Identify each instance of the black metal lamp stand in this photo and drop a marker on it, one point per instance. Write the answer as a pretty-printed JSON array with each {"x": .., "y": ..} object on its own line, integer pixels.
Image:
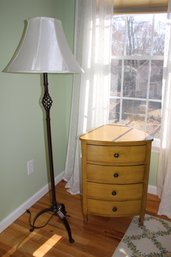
[
  {"x": 55, "y": 209},
  {"x": 44, "y": 36}
]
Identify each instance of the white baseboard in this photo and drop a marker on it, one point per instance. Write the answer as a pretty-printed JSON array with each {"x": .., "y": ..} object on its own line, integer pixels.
[
  {"x": 26, "y": 205},
  {"x": 152, "y": 190}
]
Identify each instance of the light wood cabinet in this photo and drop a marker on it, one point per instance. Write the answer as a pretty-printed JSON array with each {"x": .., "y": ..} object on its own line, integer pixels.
[{"x": 115, "y": 171}]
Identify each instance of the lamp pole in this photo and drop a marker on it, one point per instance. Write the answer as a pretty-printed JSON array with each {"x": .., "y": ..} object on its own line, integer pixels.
[
  {"x": 55, "y": 208},
  {"x": 47, "y": 104}
]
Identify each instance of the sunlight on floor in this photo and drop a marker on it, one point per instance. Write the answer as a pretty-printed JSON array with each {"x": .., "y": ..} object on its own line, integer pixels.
[
  {"x": 43, "y": 249},
  {"x": 123, "y": 252},
  {"x": 19, "y": 245}
]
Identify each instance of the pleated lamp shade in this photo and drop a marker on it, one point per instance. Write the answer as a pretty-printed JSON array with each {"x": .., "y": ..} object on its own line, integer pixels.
[{"x": 43, "y": 49}]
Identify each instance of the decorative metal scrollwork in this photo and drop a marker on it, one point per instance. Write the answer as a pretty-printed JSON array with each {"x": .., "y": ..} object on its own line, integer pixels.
[{"x": 47, "y": 101}]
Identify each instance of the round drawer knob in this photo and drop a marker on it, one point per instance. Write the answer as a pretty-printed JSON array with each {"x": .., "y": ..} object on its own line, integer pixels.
[
  {"x": 116, "y": 175},
  {"x": 114, "y": 209},
  {"x": 116, "y": 155},
  {"x": 114, "y": 192}
]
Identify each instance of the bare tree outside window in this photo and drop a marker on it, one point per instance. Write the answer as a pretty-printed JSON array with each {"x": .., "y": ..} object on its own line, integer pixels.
[{"x": 137, "y": 71}]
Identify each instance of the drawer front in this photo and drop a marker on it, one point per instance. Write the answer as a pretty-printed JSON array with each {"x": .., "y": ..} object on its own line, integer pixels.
[
  {"x": 116, "y": 154},
  {"x": 114, "y": 192},
  {"x": 114, "y": 209},
  {"x": 115, "y": 174}
]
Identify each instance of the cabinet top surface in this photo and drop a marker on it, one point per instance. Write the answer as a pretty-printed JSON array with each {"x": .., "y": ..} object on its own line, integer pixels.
[{"x": 116, "y": 133}]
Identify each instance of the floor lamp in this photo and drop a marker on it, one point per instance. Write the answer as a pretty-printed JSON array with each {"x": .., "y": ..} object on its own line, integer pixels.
[{"x": 44, "y": 50}]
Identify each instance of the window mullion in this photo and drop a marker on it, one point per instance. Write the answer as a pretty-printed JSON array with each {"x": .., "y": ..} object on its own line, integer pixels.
[
  {"x": 149, "y": 75},
  {"x": 122, "y": 74},
  {"x": 121, "y": 96}
]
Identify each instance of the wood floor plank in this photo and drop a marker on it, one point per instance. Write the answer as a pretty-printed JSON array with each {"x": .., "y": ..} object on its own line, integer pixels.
[{"x": 98, "y": 238}]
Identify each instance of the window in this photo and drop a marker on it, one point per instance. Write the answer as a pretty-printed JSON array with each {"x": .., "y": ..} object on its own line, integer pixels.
[{"x": 137, "y": 70}]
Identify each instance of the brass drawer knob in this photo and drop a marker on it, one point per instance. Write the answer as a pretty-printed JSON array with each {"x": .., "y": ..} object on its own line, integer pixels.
[
  {"x": 114, "y": 192},
  {"x": 116, "y": 175},
  {"x": 116, "y": 155},
  {"x": 114, "y": 209}
]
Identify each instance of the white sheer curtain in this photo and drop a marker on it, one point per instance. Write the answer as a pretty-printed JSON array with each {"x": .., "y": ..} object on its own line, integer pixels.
[
  {"x": 164, "y": 170},
  {"x": 90, "y": 101}
]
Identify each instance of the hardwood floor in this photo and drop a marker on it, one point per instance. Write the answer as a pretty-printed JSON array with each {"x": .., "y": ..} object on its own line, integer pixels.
[{"x": 98, "y": 238}]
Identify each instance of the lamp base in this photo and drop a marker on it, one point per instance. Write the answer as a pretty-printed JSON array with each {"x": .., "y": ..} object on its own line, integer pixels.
[{"x": 55, "y": 209}]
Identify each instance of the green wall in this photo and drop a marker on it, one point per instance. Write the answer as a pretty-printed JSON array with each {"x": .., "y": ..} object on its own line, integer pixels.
[
  {"x": 21, "y": 115},
  {"x": 153, "y": 168}
]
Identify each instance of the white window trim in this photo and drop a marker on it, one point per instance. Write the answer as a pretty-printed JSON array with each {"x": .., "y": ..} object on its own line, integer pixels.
[{"x": 156, "y": 142}]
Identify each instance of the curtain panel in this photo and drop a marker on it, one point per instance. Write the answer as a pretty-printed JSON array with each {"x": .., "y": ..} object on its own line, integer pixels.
[
  {"x": 164, "y": 167},
  {"x": 90, "y": 100}
]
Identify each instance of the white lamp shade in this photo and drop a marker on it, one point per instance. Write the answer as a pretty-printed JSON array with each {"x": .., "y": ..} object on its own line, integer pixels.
[{"x": 44, "y": 49}]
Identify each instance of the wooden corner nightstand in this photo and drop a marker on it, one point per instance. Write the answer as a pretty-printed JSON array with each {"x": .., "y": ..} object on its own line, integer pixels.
[{"x": 115, "y": 171}]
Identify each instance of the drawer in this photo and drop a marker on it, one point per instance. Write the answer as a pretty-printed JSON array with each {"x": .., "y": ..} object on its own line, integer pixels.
[
  {"x": 114, "y": 192},
  {"x": 115, "y": 174},
  {"x": 114, "y": 209},
  {"x": 116, "y": 154}
]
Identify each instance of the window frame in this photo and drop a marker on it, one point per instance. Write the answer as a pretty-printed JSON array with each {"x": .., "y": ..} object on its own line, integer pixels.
[
  {"x": 143, "y": 6},
  {"x": 150, "y": 58}
]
